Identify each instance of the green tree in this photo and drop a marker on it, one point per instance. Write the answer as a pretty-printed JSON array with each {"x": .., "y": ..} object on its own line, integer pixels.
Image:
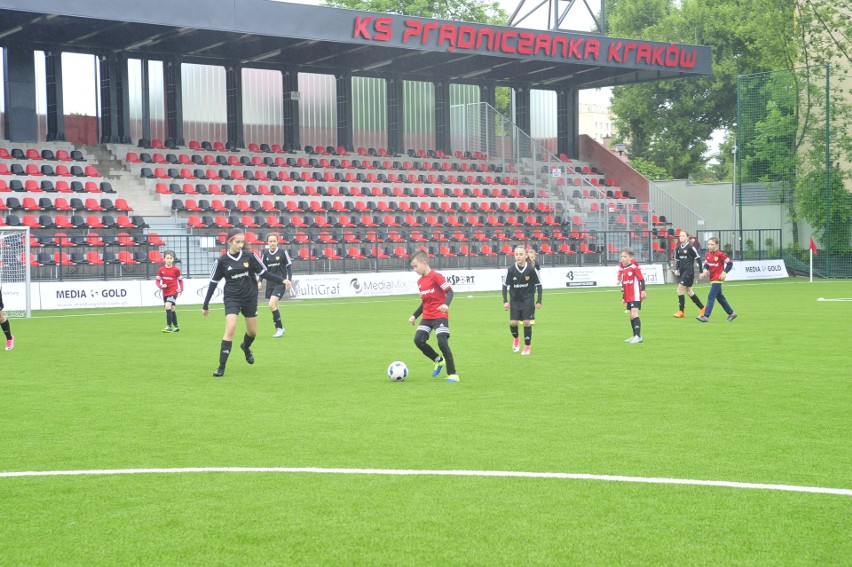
[
  {"x": 670, "y": 122},
  {"x": 470, "y": 11},
  {"x": 824, "y": 48},
  {"x": 827, "y": 206},
  {"x": 648, "y": 169},
  {"x": 787, "y": 140}
]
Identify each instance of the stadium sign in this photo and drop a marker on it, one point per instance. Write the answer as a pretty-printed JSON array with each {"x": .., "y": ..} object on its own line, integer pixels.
[{"x": 479, "y": 39}]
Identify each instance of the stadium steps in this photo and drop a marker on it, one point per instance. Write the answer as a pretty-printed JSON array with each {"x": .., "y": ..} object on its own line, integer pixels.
[{"x": 126, "y": 185}]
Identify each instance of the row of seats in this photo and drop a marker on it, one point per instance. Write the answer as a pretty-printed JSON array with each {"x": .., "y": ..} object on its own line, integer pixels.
[
  {"x": 233, "y": 160},
  {"x": 93, "y": 238},
  {"x": 598, "y": 194},
  {"x": 94, "y": 258},
  {"x": 61, "y": 186},
  {"x": 360, "y": 207},
  {"x": 211, "y": 174},
  {"x": 254, "y": 147},
  {"x": 401, "y": 252},
  {"x": 340, "y": 191},
  {"x": 33, "y": 204},
  {"x": 61, "y": 221},
  {"x": 33, "y": 170},
  {"x": 418, "y": 236},
  {"x": 33, "y": 154},
  {"x": 367, "y": 221}
]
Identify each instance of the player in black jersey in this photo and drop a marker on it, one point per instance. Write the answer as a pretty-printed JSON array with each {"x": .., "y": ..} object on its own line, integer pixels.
[
  {"x": 4, "y": 323},
  {"x": 241, "y": 270},
  {"x": 520, "y": 289},
  {"x": 532, "y": 256},
  {"x": 278, "y": 262},
  {"x": 686, "y": 255}
]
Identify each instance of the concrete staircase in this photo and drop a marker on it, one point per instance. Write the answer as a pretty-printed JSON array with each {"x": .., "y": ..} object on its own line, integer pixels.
[{"x": 126, "y": 185}]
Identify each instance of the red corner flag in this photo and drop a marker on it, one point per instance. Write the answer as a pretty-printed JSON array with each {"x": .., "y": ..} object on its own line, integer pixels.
[{"x": 812, "y": 246}]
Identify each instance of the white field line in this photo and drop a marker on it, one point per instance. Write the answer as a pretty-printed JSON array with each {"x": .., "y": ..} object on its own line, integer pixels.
[
  {"x": 836, "y": 299},
  {"x": 468, "y": 473}
]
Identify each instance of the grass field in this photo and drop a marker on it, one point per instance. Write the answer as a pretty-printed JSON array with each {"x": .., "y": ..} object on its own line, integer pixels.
[{"x": 764, "y": 399}]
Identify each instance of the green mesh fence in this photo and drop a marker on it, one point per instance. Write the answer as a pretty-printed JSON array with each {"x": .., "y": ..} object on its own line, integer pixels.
[{"x": 788, "y": 166}]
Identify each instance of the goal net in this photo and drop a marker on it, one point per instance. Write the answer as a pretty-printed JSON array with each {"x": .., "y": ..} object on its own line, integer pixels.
[{"x": 15, "y": 271}]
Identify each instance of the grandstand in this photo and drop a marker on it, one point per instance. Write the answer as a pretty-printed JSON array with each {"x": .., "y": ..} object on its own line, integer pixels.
[
  {"x": 109, "y": 209},
  {"x": 336, "y": 211}
]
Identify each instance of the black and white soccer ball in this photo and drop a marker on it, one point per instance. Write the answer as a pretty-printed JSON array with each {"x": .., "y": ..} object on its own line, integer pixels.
[{"x": 397, "y": 371}]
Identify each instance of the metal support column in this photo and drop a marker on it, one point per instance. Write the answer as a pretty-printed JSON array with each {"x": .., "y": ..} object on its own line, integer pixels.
[
  {"x": 55, "y": 108},
  {"x": 234, "y": 103},
  {"x": 344, "y": 111}
]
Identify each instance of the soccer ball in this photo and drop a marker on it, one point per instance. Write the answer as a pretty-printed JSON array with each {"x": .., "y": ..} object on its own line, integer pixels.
[{"x": 397, "y": 371}]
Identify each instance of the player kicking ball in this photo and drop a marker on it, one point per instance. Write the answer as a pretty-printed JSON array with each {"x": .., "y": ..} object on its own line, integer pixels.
[{"x": 435, "y": 297}]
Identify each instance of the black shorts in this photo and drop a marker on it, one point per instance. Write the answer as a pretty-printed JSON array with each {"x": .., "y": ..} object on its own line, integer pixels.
[
  {"x": 275, "y": 289},
  {"x": 521, "y": 312},
  {"x": 170, "y": 299},
  {"x": 1, "y": 300},
  {"x": 633, "y": 305},
  {"x": 440, "y": 326},
  {"x": 237, "y": 306},
  {"x": 687, "y": 279}
]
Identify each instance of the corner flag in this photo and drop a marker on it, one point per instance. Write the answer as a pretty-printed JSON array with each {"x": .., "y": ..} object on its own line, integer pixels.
[{"x": 812, "y": 250}]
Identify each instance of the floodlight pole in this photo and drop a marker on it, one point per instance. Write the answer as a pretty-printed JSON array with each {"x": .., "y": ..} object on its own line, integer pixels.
[
  {"x": 556, "y": 15},
  {"x": 734, "y": 189}
]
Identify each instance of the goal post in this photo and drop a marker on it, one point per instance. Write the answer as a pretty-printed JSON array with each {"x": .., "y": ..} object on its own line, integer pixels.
[{"x": 15, "y": 271}]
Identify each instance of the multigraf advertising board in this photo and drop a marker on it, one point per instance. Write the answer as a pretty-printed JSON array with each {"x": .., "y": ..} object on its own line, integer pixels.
[{"x": 99, "y": 293}]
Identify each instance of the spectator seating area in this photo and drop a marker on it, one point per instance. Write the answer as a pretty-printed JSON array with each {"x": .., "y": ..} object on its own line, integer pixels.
[{"x": 327, "y": 204}]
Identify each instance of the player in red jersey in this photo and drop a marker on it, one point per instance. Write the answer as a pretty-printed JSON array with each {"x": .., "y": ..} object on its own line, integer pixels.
[
  {"x": 633, "y": 292},
  {"x": 717, "y": 265},
  {"x": 435, "y": 297},
  {"x": 170, "y": 283}
]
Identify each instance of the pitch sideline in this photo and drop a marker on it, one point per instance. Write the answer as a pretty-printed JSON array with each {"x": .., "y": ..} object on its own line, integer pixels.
[{"x": 468, "y": 473}]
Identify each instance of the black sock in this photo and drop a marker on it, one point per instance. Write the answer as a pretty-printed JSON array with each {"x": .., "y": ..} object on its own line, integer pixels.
[
  {"x": 7, "y": 330},
  {"x": 276, "y": 318},
  {"x": 168, "y": 318},
  {"x": 247, "y": 340},
  {"x": 514, "y": 331},
  {"x": 636, "y": 325},
  {"x": 697, "y": 302},
  {"x": 224, "y": 352},
  {"x": 174, "y": 318},
  {"x": 528, "y": 335},
  {"x": 681, "y": 302},
  {"x": 444, "y": 345}
]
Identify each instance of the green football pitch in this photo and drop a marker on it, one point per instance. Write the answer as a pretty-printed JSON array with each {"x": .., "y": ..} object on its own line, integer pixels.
[{"x": 763, "y": 400}]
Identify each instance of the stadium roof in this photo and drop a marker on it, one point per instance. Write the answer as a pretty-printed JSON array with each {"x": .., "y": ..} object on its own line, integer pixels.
[{"x": 267, "y": 34}]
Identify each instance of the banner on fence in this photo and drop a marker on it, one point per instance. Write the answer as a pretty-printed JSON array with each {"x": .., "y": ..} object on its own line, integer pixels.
[
  {"x": 757, "y": 270},
  {"x": 72, "y": 294},
  {"x": 89, "y": 294}
]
